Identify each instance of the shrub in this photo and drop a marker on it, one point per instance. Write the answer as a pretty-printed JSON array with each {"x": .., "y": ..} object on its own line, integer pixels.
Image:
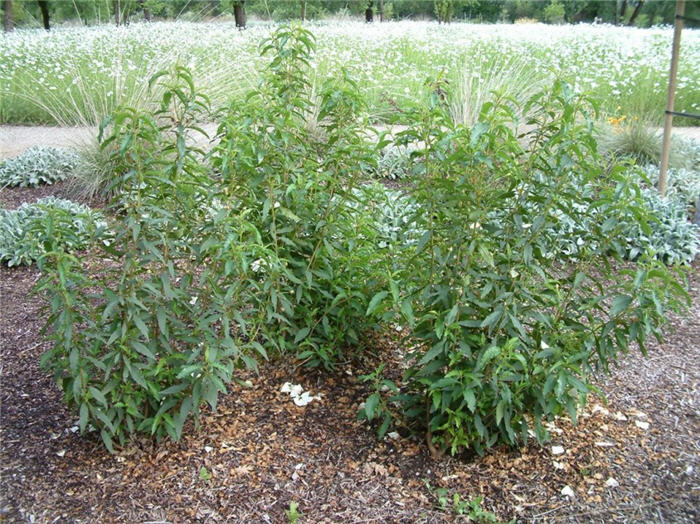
[
  {"x": 658, "y": 226},
  {"x": 212, "y": 267},
  {"x": 38, "y": 165},
  {"x": 504, "y": 330},
  {"x": 668, "y": 235},
  {"x": 26, "y": 231},
  {"x": 299, "y": 186},
  {"x": 682, "y": 184},
  {"x": 141, "y": 342}
]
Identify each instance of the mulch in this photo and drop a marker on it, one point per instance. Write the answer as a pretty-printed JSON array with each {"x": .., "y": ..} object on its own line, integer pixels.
[{"x": 632, "y": 457}]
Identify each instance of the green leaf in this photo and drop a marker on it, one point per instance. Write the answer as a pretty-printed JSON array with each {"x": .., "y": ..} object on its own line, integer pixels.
[
  {"x": 491, "y": 319},
  {"x": 619, "y": 304},
  {"x": 302, "y": 334},
  {"x": 371, "y": 404},
  {"x": 107, "y": 439},
  {"x": 374, "y": 303},
  {"x": 84, "y": 412},
  {"x": 486, "y": 357},
  {"x": 97, "y": 395}
]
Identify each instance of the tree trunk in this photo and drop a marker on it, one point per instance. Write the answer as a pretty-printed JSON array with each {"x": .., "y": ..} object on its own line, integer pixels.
[
  {"x": 636, "y": 11},
  {"x": 117, "y": 13},
  {"x": 239, "y": 14},
  {"x": 369, "y": 12},
  {"x": 623, "y": 11},
  {"x": 8, "y": 22},
  {"x": 380, "y": 8},
  {"x": 147, "y": 15},
  {"x": 44, "y": 7},
  {"x": 303, "y": 10}
]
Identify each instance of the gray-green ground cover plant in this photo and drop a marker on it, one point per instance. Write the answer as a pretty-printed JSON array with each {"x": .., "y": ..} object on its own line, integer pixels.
[
  {"x": 27, "y": 232},
  {"x": 38, "y": 165}
]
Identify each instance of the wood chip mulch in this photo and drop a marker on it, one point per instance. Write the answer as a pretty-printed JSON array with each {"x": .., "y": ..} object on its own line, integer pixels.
[{"x": 634, "y": 458}]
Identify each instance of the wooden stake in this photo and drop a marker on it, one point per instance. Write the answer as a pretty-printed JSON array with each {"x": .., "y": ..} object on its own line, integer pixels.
[{"x": 668, "y": 122}]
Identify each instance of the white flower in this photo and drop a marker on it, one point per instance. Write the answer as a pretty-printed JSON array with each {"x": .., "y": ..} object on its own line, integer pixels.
[{"x": 193, "y": 300}]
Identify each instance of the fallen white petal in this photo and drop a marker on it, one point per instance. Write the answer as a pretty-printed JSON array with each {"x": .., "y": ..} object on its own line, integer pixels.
[
  {"x": 611, "y": 483},
  {"x": 604, "y": 444},
  {"x": 208, "y": 449},
  {"x": 61, "y": 453},
  {"x": 558, "y": 450},
  {"x": 303, "y": 399},
  {"x": 619, "y": 416},
  {"x": 393, "y": 435},
  {"x": 286, "y": 388},
  {"x": 600, "y": 408},
  {"x": 641, "y": 424},
  {"x": 557, "y": 465},
  {"x": 568, "y": 492},
  {"x": 296, "y": 390}
]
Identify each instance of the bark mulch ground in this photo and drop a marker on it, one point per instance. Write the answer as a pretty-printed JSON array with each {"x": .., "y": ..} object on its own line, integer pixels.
[{"x": 632, "y": 459}]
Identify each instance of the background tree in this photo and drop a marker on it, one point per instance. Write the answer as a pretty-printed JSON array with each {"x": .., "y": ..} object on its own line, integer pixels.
[
  {"x": 8, "y": 21},
  {"x": 555, "y": 13},
  {"x": 44, "y": 8},
  {"x": 239, "y": 13},
  {"x": 369, "y": 12},
  {"x": 444, "y": 10}
]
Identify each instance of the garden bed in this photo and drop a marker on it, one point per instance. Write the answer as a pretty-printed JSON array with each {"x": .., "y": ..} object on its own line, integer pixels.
[{"x": 263, "y": 452}]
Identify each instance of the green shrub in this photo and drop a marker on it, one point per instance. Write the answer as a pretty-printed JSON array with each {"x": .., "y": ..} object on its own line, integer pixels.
[
  {"x": 299, "y": 187},
  {"x": 38, "y": 165},
  {"x": 212, "y": 267},
  {"x": 682, "y": 184},
  {"x": 505, "y": 328},
  {"x": 141, "y": 342},
  {"x": 659, "y": 227},
  {"x": 26, "y": 231}
]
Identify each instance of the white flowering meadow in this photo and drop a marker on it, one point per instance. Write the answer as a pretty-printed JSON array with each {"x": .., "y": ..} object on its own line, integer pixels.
[{"x": 76, "y": 75}]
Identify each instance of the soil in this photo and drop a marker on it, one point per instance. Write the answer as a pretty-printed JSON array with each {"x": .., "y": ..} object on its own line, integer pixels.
[{"x": 633, "y": 457}]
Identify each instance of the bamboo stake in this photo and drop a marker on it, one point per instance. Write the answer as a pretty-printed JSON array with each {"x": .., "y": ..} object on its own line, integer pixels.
[{"x": 668, "y": 123}]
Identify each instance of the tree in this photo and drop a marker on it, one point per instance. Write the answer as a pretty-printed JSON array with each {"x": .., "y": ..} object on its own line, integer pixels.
[
  {"x": 44, "y": 8},
  {"x": 554, "y": 13},
  {"x": 8, "y": 21},
  {"x": 146, "y": 10},
  {"x": 635, "y": 13},
  {"x": 303, "y": 10},
  {"x": 239, "y": 13},
  {"x": 369, "y": 12},
  {"x": 444, "y": 10}
]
